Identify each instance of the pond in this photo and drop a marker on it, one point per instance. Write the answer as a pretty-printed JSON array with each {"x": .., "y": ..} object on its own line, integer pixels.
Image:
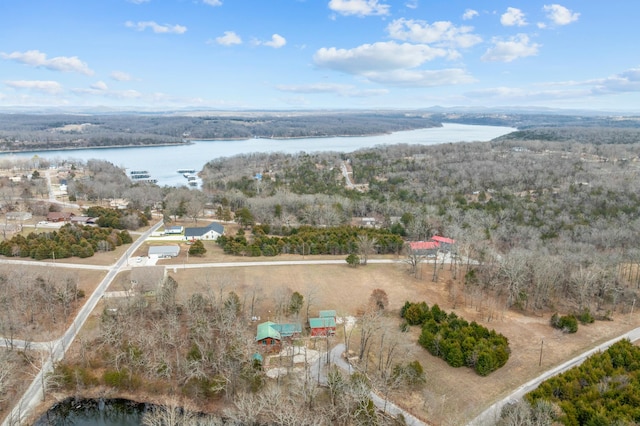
[{"x": 94, "y": 412}]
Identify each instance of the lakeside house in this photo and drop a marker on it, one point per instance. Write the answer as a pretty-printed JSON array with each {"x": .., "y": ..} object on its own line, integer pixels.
[{"x": 210, "y": 232}]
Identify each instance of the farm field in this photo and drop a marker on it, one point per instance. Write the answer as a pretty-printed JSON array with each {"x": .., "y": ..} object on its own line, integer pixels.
[{"x": 445, "y": 399}]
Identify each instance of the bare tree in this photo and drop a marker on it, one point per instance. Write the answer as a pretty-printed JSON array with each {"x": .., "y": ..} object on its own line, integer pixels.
[
  {"x": 413, "y": 259},
  {"x": 366, "y": 246}
]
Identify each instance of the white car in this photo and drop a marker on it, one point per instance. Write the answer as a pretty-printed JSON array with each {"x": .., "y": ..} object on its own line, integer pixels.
[{"x": 43, "y": 222}]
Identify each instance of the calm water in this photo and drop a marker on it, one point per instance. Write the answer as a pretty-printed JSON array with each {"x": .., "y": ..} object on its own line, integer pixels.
[
  {"x": 163, "y": 162},
  {"x": 92, "y": 412}
]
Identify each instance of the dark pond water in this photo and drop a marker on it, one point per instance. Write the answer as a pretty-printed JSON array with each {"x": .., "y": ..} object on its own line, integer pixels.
[{"x": 94, "y": 412}]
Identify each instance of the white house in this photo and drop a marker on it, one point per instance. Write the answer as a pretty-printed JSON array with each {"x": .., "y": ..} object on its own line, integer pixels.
[{"x": 211, "y": 232}]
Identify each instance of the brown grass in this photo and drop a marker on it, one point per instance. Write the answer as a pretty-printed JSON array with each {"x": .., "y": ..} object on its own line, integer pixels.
[
  {"x": 451, "y": 396},
  {"x": 446, "y": 399}
]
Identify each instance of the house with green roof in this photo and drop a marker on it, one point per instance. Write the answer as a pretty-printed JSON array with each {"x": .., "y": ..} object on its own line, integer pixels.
[
  {"x": 288, "y": 330},
  {"x": 327, "y": 314},
  {"x": 266, "y": 335},
  {"x": 322, "y": 326}
]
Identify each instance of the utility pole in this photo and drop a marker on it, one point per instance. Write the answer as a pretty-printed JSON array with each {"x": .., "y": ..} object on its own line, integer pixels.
[{"x": 541, "y": 345}]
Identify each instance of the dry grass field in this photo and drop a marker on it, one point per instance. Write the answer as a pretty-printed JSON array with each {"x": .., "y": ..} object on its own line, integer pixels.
[{"x": 451, "y": 396}]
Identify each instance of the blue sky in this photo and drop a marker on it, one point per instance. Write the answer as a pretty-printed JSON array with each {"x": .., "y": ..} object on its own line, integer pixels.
[{"x": 311, "y": 54}]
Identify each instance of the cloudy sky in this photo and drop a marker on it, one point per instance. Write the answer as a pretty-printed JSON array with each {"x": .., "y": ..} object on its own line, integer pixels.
[{"x": 294, "y": 54}]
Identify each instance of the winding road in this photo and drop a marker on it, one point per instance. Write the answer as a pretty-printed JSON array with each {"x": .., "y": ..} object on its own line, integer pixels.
[
  {"x": 57, "y": 348},
  {"x": 491, "y": 415},
  {"x": 335, "y": 357}
]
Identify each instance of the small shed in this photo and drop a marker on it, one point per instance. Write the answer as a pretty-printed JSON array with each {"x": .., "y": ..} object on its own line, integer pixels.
[
  {"x": 210, "y": 232},
  {"x": 327, "y": 314},
  {"x": 164, "y": 252},
  {"x": 266, "y": 335},
  {"x": 174, "y": 230},
  {"x": 322, "y": 326}
]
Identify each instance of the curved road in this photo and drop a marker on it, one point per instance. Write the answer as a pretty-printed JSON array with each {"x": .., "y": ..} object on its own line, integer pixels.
[
  {"x": 33, "y": 396},
  {"x": 34, "y": 393},
  {"x": 491, "y": 415},
  {"x": 384, "y": 405}
]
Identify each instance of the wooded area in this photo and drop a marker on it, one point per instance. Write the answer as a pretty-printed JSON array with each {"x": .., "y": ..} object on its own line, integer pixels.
[
  {"x": 544, "y": 220},
  {"x": 21, "y": 132}
]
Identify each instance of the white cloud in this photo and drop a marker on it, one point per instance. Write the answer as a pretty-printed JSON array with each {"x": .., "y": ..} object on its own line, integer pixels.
[
  {"x": 359, "y": 7},
  {"x": 315, "y": 88},
  {"x": 120, "y": 76},
  {"x": 277, "y": 41},
  {"x": 345, "y": 90},
  {"x": 626, "y": 81},
  {"x": 443, "y": 33},
  {"x": 100, "y": 85},
  {"x": 421, "y": 78},
  {"x": 228, "y": 39},
  {"x": 45, "y": 86},
  {"x": 513, "y": 17},
  {"x": 157, "y": 28},
  {"x": 469, "y": 14},
  {"x": 212, "y": 2},
  {"x": 138, "y": 1},
  {"x": 35, "y": 58},
  {"x": 516, "y": 47},
  {"x": 381, "y": 56},
  {"x": 412, "y": 4},
  {"x": 560, "y": 15}
]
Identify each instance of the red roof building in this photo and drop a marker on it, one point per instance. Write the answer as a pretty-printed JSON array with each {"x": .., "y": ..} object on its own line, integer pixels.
[
  {"x": 423, "y": 245},
  {"x": 443, "y": 240}
]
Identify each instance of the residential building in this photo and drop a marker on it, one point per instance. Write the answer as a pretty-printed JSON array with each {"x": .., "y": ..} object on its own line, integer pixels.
[{"x": 210, "y": 232}]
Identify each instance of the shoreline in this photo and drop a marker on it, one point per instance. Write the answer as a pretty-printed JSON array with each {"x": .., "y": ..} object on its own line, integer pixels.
[{"x": 191, "y": 141}]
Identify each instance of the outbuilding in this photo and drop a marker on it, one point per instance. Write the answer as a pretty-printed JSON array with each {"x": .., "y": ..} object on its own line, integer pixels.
[
  {"x": 164, "y": 252},
  {"x": 322, "y": 326}
]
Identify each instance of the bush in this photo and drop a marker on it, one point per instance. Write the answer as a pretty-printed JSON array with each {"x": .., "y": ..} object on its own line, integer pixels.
[
  {"x": 353, "y": 260},
  {"x": 585, "y": 316},
  {"x": 566, "y": 323},
  {"x": 197, "y": 249}
]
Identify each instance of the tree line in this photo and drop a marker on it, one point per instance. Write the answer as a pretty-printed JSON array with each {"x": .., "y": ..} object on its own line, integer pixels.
[
  {"x": 70, "y": 240},
  {"x": 603, "y": 390},
  {"x": 307, "y": 240}
]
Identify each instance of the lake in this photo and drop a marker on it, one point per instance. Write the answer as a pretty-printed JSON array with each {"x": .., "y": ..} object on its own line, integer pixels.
[{"x": 162, "y": 162}]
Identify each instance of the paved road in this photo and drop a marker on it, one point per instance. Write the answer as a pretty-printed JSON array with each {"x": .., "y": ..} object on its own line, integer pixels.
[
  {"x": 491, "y": 415},
  {"x": 34, "y": 393},
  {"x": 317, "y": 369}
]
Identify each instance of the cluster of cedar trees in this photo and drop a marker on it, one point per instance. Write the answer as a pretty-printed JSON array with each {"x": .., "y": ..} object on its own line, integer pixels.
[
  {"x": 455, "y": 340},
  {"x": 309, "y": 240},
  {"x": 604, "y": 390},
  {"x": 114, "y": 218},
  {"x": 68, "y": 241}
]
